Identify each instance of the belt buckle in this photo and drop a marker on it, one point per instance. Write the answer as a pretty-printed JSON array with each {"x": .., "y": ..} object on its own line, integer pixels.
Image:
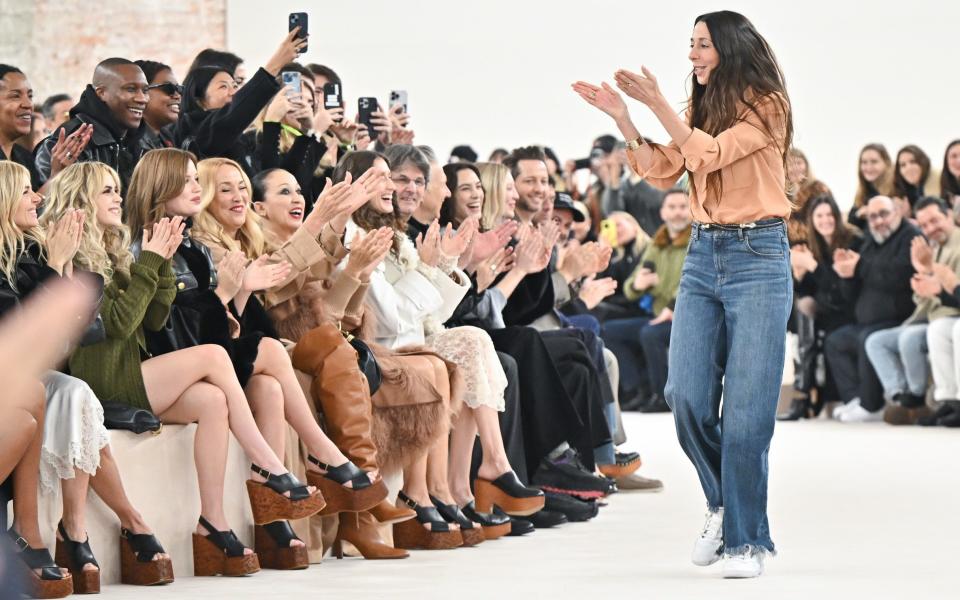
[{"x": 747, "y": 225}]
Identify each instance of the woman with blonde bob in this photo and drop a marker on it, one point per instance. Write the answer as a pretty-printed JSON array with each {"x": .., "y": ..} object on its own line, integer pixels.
[
  {"x": 75, "y": 447},
  {"x": 194, "y": 385},
  {"x": 500, "y": 194},
  {"x": 215, "y": 303}
]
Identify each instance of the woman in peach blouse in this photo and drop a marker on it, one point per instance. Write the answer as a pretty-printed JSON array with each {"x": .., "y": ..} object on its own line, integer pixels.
[{"x": 731, "y": 313}]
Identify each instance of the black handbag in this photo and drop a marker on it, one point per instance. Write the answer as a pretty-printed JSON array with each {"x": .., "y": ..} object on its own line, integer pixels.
[
  {"x": 368, "y": 364},
  {"x": 117, "y": 415}
]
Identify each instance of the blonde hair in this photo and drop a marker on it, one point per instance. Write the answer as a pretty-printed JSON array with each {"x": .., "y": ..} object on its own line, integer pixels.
[
  {"x": 639, "y": 243},
  {"x": 250, "y": 238},
  {"x": 493, "y": 178},
  {"x": 13, "y": 240},
  {"x": 157, "y": 179},
  {"x": 103, "y": 251},
  {"x": 286, "y": 138}
]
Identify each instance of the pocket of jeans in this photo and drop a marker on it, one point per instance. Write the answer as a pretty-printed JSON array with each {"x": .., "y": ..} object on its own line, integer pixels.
[{"x": 765, "y": 243}]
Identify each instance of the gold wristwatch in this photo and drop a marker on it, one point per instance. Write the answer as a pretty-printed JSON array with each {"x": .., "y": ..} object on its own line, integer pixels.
[{"x": 635, "y": 143}]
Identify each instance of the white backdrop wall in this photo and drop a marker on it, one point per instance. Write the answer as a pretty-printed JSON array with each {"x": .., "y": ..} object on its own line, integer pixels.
[{"x": 497, "y": 72}]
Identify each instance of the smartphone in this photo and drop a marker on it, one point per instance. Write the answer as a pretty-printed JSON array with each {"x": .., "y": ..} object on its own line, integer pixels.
[
  {"x": 581, "y": 163},
  {"x": 292, "y": 79},
  {"x": 299, "y": 19},
  {"x": 366, "y": 106},
  {"x": 398, "y": 97},
  {"x": 608, "y": 232},
  {"x": 332, "y": 97}
]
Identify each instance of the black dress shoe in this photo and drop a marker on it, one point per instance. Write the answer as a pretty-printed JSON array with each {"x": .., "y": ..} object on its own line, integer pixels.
[
  {"x": 491, "y": 519},
  {"x": 945, "y": 410},
  {"x": 545, "y": 519},
  {"x": 630, "y": 402},
  {"x": 799, "y": 409},
  {"x": 909, "y": 400},
  {"x": 656, "y": 404},
  {"x": 951, "y": 420},
  {"x": 518, "y": 526},
  {"x": 574, "y": 509}
]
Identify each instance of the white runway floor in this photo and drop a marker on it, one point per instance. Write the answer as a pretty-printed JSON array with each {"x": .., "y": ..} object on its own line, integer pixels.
[{"x": 857, "y": 511}]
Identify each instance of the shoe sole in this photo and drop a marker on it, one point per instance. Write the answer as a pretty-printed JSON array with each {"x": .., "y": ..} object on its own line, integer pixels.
[
  {"x": 713, "y": 561},
  {"x": 741, "y": 574},
  {"x": 582, "y": 494}
]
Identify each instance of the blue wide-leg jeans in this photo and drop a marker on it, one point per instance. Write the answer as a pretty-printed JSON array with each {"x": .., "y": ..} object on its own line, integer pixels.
[{"x": 728, "y": 343}]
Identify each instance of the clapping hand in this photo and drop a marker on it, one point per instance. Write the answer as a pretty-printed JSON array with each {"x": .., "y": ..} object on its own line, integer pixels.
[
  {"x": 368, "y": 251},
  {"x": 845, "y": 262},
  {"x": 643, "y": 88},
  {"x": 263, "y": 275},
  {"x": 946, "y": 277},
  {"x": 921, "y": 255},
  {"x": 428, "y": 246},
  {"x": 454, "y": 243},
  {"x": 63, "y": 240},
  {"x": 164, "y": 237},
  {"x": 69, "y": 147},
  {"x": 602, "y": 97},
  {"x": 594, "y": 290}
]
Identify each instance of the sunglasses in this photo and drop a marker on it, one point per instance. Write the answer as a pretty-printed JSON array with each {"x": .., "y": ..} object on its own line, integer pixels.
[{"x": 167, "y": 88}]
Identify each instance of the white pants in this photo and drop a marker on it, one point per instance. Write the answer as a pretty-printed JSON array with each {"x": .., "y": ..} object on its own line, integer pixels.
[{"x": 943, "y": 343}]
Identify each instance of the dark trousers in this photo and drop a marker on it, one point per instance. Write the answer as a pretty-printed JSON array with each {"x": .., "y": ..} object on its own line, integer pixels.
[
  {"x": 851, "y": 368},
  {"x": 622, "y": 337},
  {"x": 655, "y": 340}
]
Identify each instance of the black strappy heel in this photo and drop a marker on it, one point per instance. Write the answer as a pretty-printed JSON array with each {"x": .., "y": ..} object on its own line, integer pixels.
[
  {"x": 74, "y": 556},
  {"x": 50, "y": 582},
  {"x": 362, "y": 495},
  {"x": 272, "y": 545},
  {"x": 138, "y": 565},
  {"x": 412, "y": 534},
  {"x": 269, "y": 503},
  {"x": 221, "y": 553},
  {"x": 471, "y": 532}
]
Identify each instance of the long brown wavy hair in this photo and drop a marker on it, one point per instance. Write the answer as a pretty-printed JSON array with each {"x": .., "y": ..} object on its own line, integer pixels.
[
  {"x": 843, "y": 234},
  {"x": 747, "y": 76},
  {"x": 157, "y": 179},
  {"x": 358, "y": 163}
]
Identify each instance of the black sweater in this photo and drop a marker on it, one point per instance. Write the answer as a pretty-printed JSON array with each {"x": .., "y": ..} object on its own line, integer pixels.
[
  {"x": 880, "y": 287},
  {"x": 825, "y": 286}
]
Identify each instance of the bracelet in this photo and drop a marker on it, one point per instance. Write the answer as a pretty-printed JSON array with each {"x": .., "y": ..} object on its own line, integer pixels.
[{"x": 635, "y": 144}]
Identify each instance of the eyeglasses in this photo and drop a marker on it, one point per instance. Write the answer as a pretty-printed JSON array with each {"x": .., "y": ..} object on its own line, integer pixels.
[
  {"x": 404, "y": 181},
  {"x": 167, "y": 88},
  {"x": 878, "y": 216}
]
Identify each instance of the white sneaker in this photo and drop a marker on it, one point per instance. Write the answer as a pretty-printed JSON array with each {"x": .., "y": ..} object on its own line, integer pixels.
[
  {"x": 743, "y": 566},
  {"x": 839, "y": 411},
  {"x": 859, "y": 414},
  {"x": 708, "y": 547}
]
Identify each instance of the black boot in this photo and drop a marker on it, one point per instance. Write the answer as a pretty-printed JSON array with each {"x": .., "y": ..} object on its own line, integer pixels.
[{"x": 799, "y": 409}]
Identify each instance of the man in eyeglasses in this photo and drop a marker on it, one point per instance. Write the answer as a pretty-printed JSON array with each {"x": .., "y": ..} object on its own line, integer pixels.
[
  {"x": 105, "y": 125},
  {"x": 163, "y": 108},
  {"x": 877, "y": 282}
]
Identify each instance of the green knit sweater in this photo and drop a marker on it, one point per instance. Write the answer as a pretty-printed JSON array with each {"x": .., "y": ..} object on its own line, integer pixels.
[{"x": 130, "y": 303}]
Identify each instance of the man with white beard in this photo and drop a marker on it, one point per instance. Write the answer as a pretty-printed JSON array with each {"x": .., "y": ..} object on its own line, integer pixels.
[{"x": 877, "y": 282}]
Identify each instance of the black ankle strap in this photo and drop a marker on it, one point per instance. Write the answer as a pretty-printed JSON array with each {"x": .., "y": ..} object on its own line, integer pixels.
[
  {"x": 282, "y": 483},
  {"x": 225, "y": 540},
  {"x": 144, "y": 545},
  {"x": 80, "y": 552},
  {"x": 425, "y": 514},
  {"x": 347, "y": 472}
]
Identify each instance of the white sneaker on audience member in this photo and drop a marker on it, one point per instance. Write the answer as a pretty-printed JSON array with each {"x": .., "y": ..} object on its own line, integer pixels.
[
  {"x": 743, "y": 566},
  {"x": 859, "y": 414},
  {"x": 839, "y": 411},
  {"x": 708, "y": 548}
]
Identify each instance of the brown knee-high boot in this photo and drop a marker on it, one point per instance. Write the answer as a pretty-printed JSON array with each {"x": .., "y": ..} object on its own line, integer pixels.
[
  {"x": 362, "y": 530},
  {"x": 341, "y": 393}
]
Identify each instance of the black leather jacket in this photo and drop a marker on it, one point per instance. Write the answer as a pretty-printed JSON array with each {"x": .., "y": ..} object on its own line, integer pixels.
[{"x": 110, "y": 144}]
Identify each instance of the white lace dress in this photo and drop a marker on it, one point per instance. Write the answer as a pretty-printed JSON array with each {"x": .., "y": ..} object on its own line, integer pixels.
[
  {"x": 410, "y": 301},
  {"x": 73, "y": 431}
]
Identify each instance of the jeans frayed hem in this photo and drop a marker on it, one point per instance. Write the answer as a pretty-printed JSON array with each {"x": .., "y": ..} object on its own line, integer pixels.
[{"x": 752, "y": 550}]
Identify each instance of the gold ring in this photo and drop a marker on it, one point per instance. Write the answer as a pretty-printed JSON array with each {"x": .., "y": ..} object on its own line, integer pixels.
[{"x": 593, "y": 94}]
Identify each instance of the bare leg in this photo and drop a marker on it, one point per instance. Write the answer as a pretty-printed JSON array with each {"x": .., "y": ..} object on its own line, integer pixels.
[
  {"x": 273, "y": 361},
  {"x": 495, "y": 462},
  {"x": 26, "y": 477},
  {"x": 168, "y": 376},
  {"x": 18, "y": 426},
  {"x": 462, "y": 440},
  {"x": 266, "y": 402},
  {"x": 109, "y": 487},
  {"x": 74, "y": 508}
]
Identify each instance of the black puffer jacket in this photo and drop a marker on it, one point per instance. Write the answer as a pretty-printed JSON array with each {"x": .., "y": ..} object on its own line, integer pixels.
[{"x": 111, "y": 143}]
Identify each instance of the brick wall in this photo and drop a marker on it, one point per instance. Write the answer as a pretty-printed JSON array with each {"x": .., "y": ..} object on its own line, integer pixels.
[{"x": 58, "y": 43}]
